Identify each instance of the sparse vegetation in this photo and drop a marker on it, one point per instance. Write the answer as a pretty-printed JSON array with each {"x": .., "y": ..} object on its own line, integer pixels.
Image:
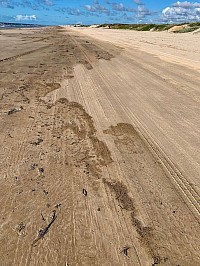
[
  {"x": 153, "y": 27},
  {"x": 188, "y": 29}
]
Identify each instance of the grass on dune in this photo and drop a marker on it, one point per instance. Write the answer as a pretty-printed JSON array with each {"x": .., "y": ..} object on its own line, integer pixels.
[{"x": 190, "y": 27}]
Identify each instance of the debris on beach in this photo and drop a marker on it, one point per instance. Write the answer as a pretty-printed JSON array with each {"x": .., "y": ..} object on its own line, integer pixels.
[
  {"x": 44, "y": 231},
  {"x": 37, "y": 142},
  {"x": 125, "y": 250},
  {"x": 15, "y": 110},
  {"x": 84, "y": 192}
]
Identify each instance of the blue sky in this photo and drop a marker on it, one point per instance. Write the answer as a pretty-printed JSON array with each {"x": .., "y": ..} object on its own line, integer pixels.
[{"x": 59, "y": 12}]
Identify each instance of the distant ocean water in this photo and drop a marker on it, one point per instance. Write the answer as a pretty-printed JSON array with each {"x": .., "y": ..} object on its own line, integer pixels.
[{"x": 4, "y": 25}]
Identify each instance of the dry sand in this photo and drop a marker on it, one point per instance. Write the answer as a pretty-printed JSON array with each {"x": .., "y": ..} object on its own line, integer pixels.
[{"x": 99, "y": 155}]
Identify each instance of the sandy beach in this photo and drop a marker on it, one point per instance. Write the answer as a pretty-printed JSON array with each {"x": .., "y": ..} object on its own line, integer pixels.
[{"x": 99, "y": 147}]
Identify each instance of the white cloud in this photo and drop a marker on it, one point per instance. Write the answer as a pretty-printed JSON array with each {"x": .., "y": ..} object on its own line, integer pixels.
[
  {"x": 45, "y": 2},
  {"x": 96, "y": 7},
  {"x": 6, "y": 4},
  {"x": 182, "y": 12},
  {"x": 25, "y": 17},
  {"x": 118, "y": 7},
  {"x": 186, "y": 4},
  {"x": 143, "y": 12},
  {"x": 138, "y": 2}
]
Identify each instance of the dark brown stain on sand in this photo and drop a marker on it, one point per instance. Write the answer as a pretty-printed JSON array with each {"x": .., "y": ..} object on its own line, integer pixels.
[
  {"x": 77, "y": 125},
  {"x": 126, "y": 136}
]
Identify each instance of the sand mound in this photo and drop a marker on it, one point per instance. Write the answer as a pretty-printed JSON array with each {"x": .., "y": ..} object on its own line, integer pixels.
[
  {"x": 196, "y": 31},
  {"x": 177, "y": 28},
  {"x": 94, "y": 26}
]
